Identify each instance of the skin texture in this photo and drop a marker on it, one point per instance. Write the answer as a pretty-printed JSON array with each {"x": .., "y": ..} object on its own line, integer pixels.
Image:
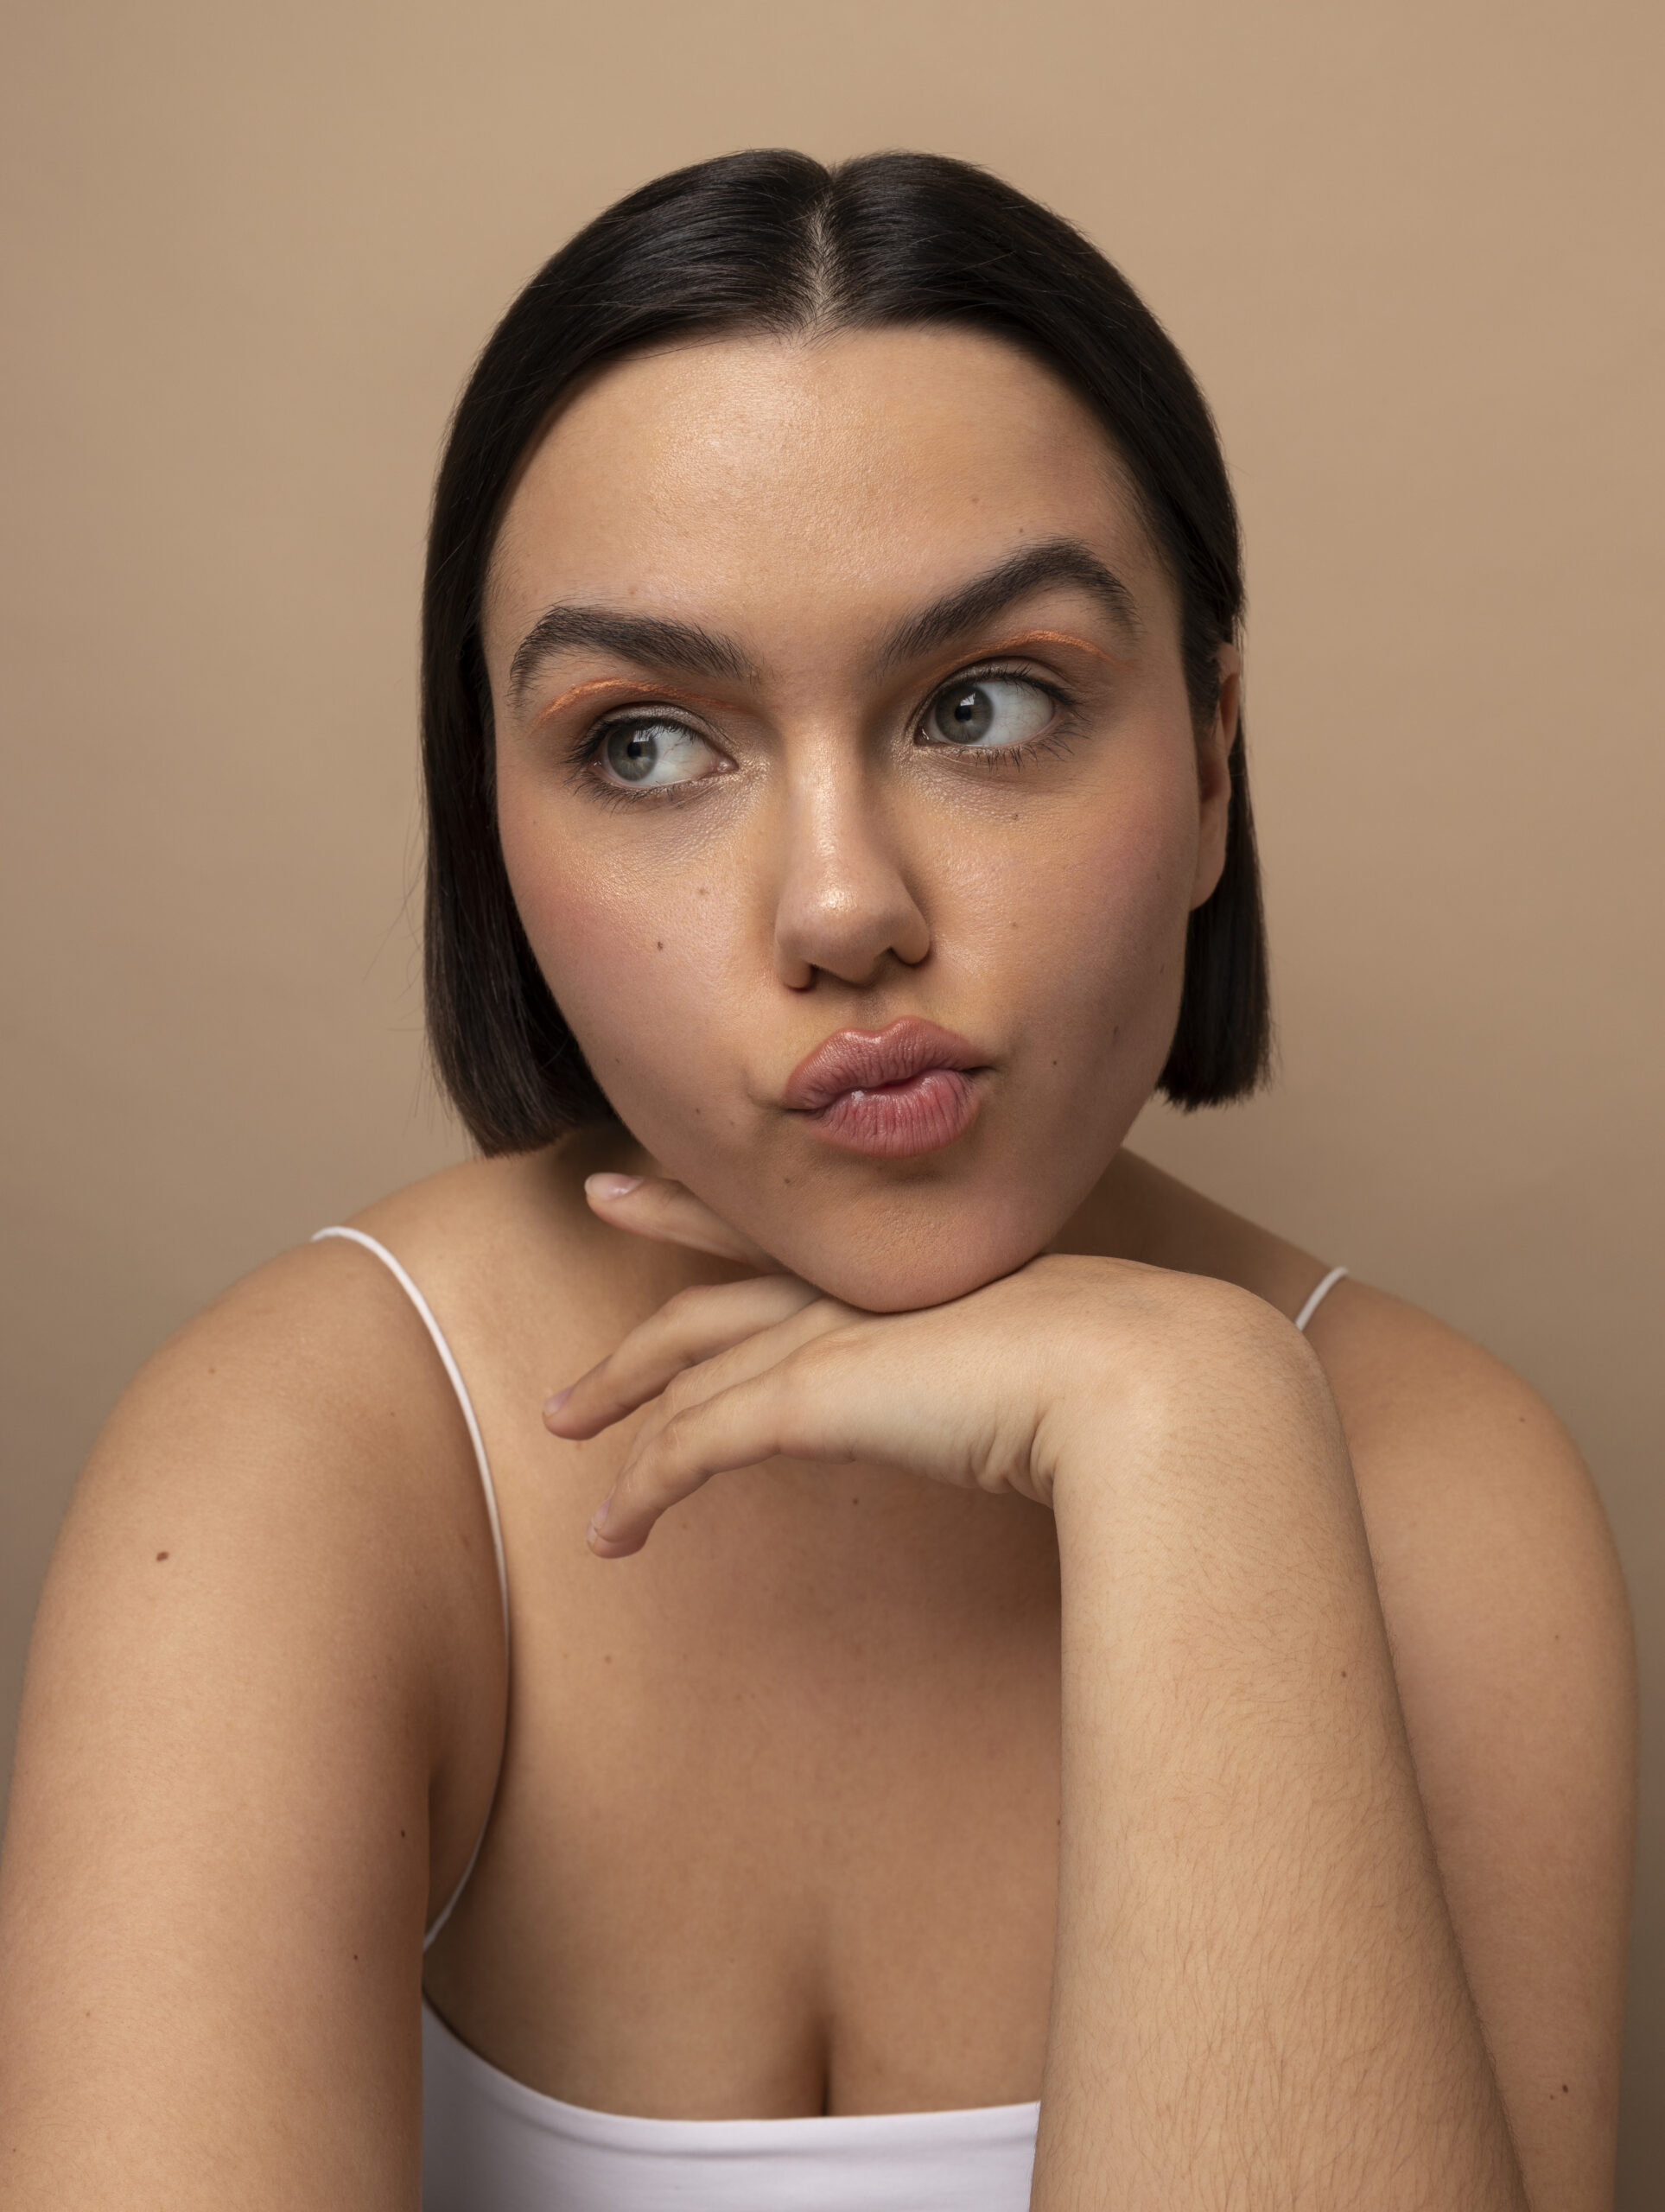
[
  {"x": 836, "y": 872},
  {"x": 1013, "y": 1663},
  {"x": 1221, "y": 1640}
]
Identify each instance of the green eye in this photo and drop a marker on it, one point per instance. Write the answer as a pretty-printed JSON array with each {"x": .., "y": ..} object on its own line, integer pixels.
[
  {"x": 646, "y": 754},
  {"x": 988, "y": 713}
]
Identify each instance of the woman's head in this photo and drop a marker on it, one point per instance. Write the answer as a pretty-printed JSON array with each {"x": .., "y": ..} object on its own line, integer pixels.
[{"x": 831, "y": 625}]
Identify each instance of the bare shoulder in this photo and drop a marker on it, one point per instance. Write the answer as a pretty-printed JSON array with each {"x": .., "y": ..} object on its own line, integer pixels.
[
  {"x": 257, "y": 1668},
  {"x": 1448, "y": 1444},
  {"x": 303, "y": 1409},
  {"x": 1484, "y": 1524}
]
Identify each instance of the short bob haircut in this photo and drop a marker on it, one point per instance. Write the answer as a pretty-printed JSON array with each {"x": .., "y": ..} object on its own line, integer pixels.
[{"x": 773, "y": 242}]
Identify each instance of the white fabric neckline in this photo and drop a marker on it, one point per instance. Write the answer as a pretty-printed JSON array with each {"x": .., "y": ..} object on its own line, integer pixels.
[{"x": 681, "y": 2138}]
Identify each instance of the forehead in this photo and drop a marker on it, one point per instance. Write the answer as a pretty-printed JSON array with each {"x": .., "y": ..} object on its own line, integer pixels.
[{"x": 754, "y": 481}]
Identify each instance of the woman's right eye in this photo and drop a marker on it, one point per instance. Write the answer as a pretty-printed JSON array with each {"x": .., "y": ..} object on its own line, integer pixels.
[{"x": 644, "y": 754}]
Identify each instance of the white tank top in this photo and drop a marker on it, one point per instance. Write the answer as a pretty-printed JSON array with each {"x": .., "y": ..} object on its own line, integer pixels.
[{"x": 489, "y": 2144}]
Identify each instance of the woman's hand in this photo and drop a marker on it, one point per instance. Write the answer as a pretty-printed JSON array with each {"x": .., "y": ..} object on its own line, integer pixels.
[
  {"x": 1256, "y": 1994},
  {"x": 987, "y": 1392}
]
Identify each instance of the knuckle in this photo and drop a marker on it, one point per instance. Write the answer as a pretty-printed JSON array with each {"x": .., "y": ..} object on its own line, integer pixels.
[
  {"x": 676, "y": 1453},
  {"x": 677, "y": 1391},
  {"x": 647, "y": 1439},
  {"x": 832, "y": 1347},
  {"x": 672, "y": 1431}
]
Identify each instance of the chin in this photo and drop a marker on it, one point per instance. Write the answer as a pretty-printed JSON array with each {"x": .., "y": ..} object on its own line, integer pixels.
[{"x": 899, "y": 1264}]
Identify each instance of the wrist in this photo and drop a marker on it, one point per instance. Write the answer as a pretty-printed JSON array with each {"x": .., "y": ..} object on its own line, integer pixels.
[{"x": 1181, "y": 1377}]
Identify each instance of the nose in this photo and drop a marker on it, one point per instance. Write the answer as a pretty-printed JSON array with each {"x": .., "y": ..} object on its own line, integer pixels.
[{"x": 844, "y": 904}]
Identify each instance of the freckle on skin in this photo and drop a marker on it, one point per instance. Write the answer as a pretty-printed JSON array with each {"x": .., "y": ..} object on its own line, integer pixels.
[
  {"x": 162, "y": 1556},
  {"x": 658, "y": 945}
]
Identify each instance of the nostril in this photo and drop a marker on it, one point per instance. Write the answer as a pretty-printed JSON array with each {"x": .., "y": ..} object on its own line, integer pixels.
[{"x": 849, "y": 940}]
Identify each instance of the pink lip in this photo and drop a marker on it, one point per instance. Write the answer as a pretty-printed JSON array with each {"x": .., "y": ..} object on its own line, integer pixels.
[{"x": 891, "y": 1093}]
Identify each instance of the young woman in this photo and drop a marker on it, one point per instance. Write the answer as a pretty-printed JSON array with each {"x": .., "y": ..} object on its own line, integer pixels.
[{"x": 980, "y": 1636}]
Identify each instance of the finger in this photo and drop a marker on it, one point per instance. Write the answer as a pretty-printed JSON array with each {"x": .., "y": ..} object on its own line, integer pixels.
[
  {"x": 829, "y": 1384},
  {"x": 762, "y": 1416},
  {"x": 654, "y": 1206},
  {"x": 693, "y": 1326}
]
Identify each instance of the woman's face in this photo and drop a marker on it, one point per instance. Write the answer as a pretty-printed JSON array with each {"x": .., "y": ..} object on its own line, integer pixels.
[{"x": 849, "y": 789}]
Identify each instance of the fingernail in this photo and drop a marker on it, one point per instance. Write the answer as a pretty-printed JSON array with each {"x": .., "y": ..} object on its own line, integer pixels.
[
  {"x": 553, "y": 1405},
  {"x": 611, "y": 1186},
  {"x": 598, "y": 1520}
]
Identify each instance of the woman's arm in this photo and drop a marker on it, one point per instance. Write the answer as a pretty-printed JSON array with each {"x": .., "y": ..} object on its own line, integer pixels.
[
  {"x": 247, "y": 1668},
  {"x": 1259, "y": 1996},
  {"x": 1516, "y": 1667}
]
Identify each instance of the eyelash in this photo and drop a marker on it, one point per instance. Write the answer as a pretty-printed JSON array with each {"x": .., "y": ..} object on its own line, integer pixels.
[
  {"x": 586, "y": 749},
  {"x": 1053, "y": 741}
]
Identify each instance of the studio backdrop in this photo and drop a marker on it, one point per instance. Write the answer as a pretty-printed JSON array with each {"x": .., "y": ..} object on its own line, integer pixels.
[{"x": 1412, "y": 253}]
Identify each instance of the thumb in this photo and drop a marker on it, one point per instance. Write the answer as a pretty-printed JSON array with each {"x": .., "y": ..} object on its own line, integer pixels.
[{"x": 668, "y": 1213}]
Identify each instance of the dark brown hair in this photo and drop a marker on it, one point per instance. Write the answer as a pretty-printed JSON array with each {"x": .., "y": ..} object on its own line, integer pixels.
[{"x": 774, "y": 241}]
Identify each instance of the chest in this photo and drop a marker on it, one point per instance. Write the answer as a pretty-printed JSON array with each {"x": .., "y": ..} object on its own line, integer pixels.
[{"x": 776, "y": 1829}]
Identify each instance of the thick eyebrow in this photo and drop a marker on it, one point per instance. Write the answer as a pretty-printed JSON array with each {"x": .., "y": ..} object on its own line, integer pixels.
[
  {"x": 682, "y": 648},
  {"x": 1057, "y": 561},
  {"x": 650, "y": 640}
]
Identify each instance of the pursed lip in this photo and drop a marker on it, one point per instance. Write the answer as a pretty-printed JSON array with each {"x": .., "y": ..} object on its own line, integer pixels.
[{"x": 863, "y": 1059}]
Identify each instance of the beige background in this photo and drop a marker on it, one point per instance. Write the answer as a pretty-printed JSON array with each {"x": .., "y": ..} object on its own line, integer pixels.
[{"x": 1408, "y": 249}]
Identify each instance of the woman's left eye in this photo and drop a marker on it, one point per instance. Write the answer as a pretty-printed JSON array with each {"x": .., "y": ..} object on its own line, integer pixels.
[{"x": 988, "y": 713}]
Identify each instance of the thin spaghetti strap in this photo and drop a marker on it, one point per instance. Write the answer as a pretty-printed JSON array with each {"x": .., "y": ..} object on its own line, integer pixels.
[
  {"x": 1318, "y": 1298},
  {"x": 424, "y": 1313}
]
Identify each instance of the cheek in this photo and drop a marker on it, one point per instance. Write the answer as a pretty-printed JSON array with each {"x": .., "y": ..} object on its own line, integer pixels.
[
  {"x": 631, "y": 958},
  {"x": 1087, "y": 923},
  {"x": 1133, "y": 895}
]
